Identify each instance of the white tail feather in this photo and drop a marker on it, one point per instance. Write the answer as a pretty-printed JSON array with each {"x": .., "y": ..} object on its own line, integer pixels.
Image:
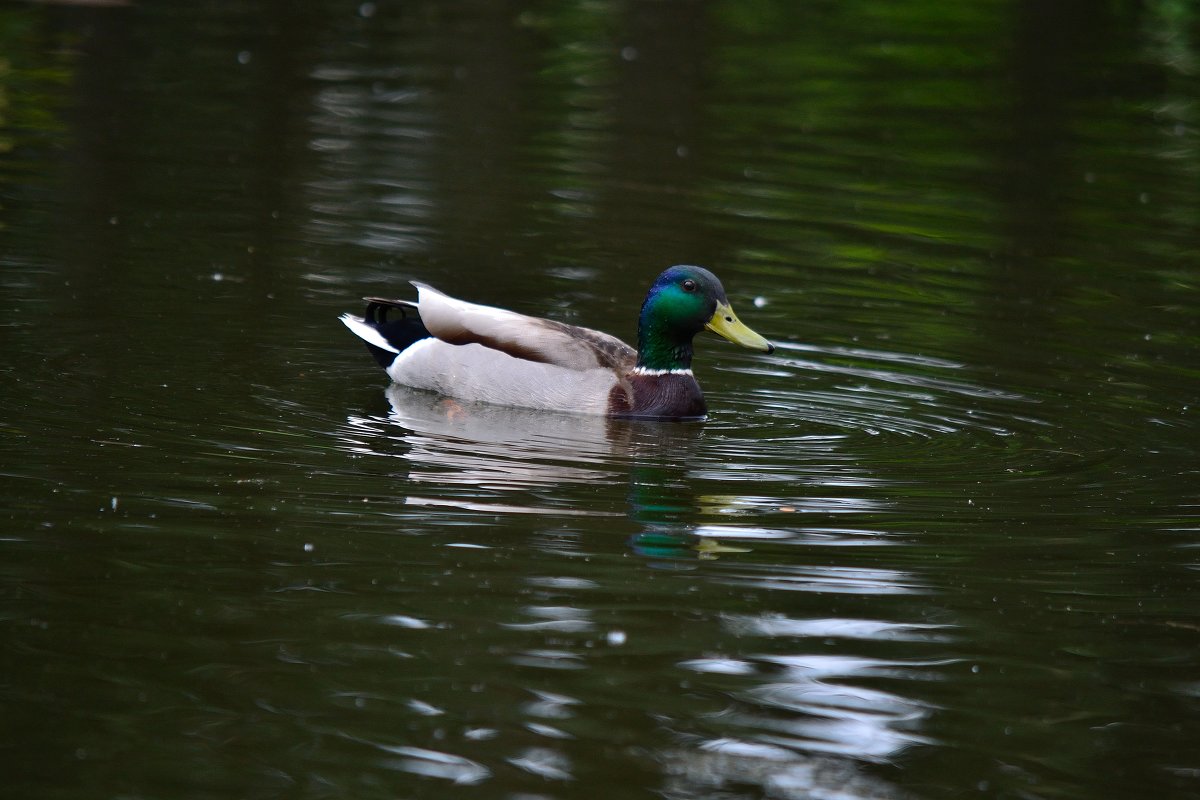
[{"x": 365, "y": 332}]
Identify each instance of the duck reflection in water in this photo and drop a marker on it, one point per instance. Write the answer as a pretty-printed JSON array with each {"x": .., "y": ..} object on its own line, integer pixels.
[
  {"x": 498, "y": 460},
  {"x": 480, "y": 457},
  {"x": 498, "y": 451}
]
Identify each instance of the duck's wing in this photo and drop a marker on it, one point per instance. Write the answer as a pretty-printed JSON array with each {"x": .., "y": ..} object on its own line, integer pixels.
[{"x": 529, "y": 338}]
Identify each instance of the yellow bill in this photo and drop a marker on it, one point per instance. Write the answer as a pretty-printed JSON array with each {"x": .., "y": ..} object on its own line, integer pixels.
[{"x": 725, "y": 323}]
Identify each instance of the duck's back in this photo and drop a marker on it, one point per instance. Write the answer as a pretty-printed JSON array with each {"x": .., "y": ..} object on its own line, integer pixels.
[{"x": 522, "y": 337}]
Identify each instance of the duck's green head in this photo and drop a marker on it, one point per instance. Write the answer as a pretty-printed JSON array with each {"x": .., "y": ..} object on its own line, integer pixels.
[{"x": 683, "y": 301}]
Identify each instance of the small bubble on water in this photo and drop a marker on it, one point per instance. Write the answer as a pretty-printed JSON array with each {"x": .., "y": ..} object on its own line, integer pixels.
[
  {"x": 366, "y": 10},
  {"x": 244, "y": 57},
  {"x": 616, "y": 638},
  {"x": 760, "y": 301},
  {"x": 629, "y": 53},
  {"x": 308, "y": 547}
]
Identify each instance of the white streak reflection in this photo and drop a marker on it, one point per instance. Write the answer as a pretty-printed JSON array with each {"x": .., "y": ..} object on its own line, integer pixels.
[
  {"x": 725, "y": 768},
  {"x": 436, "y": 764},
  {"x": 826, "y": 712},
  {"x": 840, "y": 580},
  {"x": 545, "y": 763},
  {"x": 829, "y": 628}
]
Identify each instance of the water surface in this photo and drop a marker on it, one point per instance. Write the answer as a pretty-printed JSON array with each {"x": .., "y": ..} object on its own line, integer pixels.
[{"x": 941, "y": 543}]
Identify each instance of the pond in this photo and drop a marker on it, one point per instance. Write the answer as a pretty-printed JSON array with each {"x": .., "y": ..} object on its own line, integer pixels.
[{"x": 943, "y": 542}]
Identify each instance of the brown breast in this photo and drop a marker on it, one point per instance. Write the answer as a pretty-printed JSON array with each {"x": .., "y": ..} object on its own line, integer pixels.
[{"x": 674, "y": 395}]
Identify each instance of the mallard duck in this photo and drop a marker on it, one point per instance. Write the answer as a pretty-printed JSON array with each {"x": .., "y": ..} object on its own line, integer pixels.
[{"x": 480, "y": 353}]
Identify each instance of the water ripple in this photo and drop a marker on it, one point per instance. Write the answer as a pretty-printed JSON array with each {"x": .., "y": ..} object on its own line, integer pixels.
[
  {"x": 725, "y": 767},
  {"x": 436, "y": 764},
  {"x": 775, "y": 625}
]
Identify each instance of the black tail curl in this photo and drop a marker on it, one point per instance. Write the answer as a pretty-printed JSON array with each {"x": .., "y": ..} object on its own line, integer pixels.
[{"x": 400, "y": 332}]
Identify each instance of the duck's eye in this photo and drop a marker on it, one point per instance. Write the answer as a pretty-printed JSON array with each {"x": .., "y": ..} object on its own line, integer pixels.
[{"x": 689, "y": 285}]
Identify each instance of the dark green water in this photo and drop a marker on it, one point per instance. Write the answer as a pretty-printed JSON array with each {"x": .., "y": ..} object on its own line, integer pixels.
[{"x": 944, "y": 543}]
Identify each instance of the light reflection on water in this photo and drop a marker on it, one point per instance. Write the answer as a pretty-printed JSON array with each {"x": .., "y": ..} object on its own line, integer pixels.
[
  {"x": 479, "y": 455},
  {"x": 723, "y": 768},
  {"x": 790, "y": 702},
  {"x": 774, "y": 624}
]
